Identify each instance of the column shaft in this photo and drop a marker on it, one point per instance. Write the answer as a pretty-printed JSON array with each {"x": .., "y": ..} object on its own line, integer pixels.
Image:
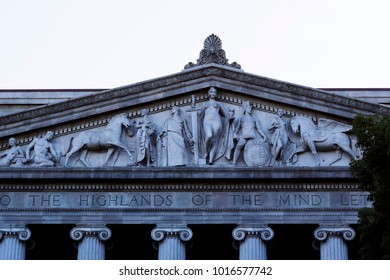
[
  {"x": 253, "y": 248},
  {"x": 91, "y": 248},
  {"x": 12, "y": 242},
  {"x": 171, "y": 240},
  {"x": 334, "y": 248},
  {"x": 91, "y": 241},
  {"x": 333, "y": 241},
  {"x": 171, "y": 248},
  {"x": 11, "y": 248},
  {"x": 252, "y": 245}
]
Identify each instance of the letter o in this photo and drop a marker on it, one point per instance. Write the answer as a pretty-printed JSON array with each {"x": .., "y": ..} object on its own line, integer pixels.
[
  {"x": 5, "y": 200},
  {"x": 197, "y": 200}
]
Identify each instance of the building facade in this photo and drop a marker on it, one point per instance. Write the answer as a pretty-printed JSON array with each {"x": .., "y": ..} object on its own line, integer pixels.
[{"x": 210, "y": 162}]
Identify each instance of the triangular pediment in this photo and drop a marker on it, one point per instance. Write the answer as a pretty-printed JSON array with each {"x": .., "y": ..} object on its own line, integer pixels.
[{"x": 188, "y": 90}]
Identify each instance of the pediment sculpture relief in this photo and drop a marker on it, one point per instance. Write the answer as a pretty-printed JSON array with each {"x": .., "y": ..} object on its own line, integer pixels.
[
  {"x": 14, "y": 156},
  {"x": 212, "y": 133},
  {"x": 145, "y": 132},
  {"x": 172, "y": 146},
  {"x": 328, "y": 135},
  {"x": 107, "y": 139}
]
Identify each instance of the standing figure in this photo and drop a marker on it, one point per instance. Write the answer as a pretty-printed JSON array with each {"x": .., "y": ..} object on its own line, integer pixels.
[
  {"x": 247, "y": 124},
  {"x": 44, "y": 153},
  {"x": 214, "y": 121},
  {"x": 230, "y": 134},
  {"x": 171, "y": 139},
  {"x": 14, "y": 156},
  {"x": 279, "y": 138},
  {"x": 146, "y": 128}
]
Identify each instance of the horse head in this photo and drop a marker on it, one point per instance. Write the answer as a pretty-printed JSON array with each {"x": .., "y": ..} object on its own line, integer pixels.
[
  {"x": 303, "y": 125},
  {"x": 122, "y": 119},
  {"x": 294, "y": 124}
]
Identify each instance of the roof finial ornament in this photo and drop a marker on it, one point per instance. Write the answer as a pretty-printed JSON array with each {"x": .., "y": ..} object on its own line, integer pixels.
[{"x": 212, "y": 52}]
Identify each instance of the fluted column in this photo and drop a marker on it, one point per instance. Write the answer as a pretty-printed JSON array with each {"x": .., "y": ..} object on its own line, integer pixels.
[
  {"x": 91, "y": 239},
  {"x": 252, "y": 241},
  {"x": 333, "y": 241},
  {"x": 171, "y": 240},
  {"x": 13, "y": 242}
]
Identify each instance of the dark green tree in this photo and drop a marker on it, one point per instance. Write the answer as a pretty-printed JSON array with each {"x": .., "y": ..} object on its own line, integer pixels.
[{"x": 373, "y": 174}]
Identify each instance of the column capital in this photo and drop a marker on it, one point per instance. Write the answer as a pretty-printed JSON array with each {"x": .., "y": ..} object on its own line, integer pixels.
[
  {"x": 323, "y": 232},
  {"x": 161, "y": 231},
  {"x": 241, "y": 232},
  {"x": 22, "y": 232},
  {"x": 101, "y": 232}
]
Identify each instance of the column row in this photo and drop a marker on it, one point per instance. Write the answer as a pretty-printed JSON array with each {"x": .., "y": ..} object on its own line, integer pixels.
[{"x": 171, "y": 241}]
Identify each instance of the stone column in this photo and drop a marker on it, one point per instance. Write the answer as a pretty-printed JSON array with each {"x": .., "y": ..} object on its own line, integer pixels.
[
  {"x": 252, "y": 245},
  {"x": 91, "y": 239},
  {"x": 13, "y": 242},
  {"x": 333, "y": 241},
  {"x": 171, "y": 240}
]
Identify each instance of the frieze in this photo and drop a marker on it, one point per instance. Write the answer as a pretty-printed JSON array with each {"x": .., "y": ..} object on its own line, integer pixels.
[{"x": 210, "y": 201}]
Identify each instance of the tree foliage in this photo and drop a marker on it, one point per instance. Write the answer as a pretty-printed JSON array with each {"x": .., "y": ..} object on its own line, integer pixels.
[{"x": 373, "y": 173}]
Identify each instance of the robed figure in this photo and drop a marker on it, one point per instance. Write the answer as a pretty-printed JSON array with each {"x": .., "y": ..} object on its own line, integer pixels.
[
  {"x": 173, "y": 150},
  {"x": 146, "y": 128}
]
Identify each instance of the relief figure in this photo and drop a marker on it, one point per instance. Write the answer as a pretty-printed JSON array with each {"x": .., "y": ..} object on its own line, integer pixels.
[
  {"x": 230, "y": 143},
  {"x": 173, "y": 150},
  {"x": 145, "y": 129},
  {"x": 45, "y": 155},
  {"x": 214, "y": 126},
  {"x": 279, "y": 140},
  {"x": 14, "y": 156},
  {"x": 248, "y": 125}
]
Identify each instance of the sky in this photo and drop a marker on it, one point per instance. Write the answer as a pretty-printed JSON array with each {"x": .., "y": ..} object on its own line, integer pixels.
[{"x": 98, "y": 44}]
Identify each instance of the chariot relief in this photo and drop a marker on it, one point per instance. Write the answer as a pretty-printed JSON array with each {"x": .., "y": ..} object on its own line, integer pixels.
[{"x": 211, "y": 132}]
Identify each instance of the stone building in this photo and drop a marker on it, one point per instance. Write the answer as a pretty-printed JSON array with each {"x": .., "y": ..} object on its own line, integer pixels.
[{"x": 207, "y": 163}]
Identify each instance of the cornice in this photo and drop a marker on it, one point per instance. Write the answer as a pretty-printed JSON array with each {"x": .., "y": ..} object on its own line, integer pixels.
[
  {"x": 223, "y": 173},
  {"x": 191, "y": 79}
]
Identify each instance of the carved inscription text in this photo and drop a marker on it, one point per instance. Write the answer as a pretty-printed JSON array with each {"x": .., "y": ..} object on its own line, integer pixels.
[{"x": 183, "y": 200}]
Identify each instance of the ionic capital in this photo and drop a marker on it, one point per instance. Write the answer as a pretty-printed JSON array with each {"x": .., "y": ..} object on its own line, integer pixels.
[
  {"x": 21, "y": 232},
  {"x": 323, "y": 232},
  {"x": 101, "y": 232},
  {"x": 264, "y": 232},
  {"x": 160, "y": 232}
]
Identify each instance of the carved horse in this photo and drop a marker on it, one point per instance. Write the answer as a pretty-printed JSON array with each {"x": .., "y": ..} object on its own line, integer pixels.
[
  {"x": 105, "y": 139},
  {"x": 329, "y": 135}
]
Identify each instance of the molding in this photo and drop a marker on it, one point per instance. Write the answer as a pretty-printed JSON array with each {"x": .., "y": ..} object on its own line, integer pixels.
[
  {"x": 179, "y": 83},
  {"x": 193, "y": 173},
  {"x": 167, "y": 210},
  {"x": 181, "y": 187}
]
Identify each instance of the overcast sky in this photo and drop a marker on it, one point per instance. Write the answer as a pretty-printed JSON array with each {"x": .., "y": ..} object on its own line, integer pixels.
[{"x": 109, "y": 43}]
